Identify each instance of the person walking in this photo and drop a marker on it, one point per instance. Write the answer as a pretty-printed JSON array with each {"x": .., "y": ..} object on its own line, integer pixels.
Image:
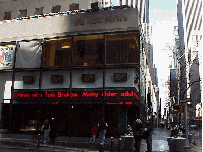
[
  {"x": 102, "y": 130},
  {"x": 137, "y": 133},
  {"x": 148, "y": 133},
  {"x": 94, "y": 131},
  {"x": 53, "y": 131},
  {"x": 46, "y": 128}
]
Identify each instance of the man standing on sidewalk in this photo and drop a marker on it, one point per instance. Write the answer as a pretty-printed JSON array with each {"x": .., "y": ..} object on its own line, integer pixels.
[
  {"x": 149, "y": 130},
  {"x": 102, "y": 130},
  {"x": 137, "y": 133},
  {"x": 46, "y": 128}
]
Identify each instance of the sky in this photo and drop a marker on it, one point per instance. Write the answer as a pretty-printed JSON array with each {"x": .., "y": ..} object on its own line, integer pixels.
[{"x": 162, "y": 18}]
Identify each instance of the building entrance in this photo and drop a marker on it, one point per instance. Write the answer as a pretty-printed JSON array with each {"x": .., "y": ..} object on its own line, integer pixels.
[{"x": 72, "y": 120}]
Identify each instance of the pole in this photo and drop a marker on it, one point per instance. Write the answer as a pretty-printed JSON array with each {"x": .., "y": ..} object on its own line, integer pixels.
[
  {"x": 119, "y": 145},
  {"x": 112, "y": 144},
  {"x": 187, "y": 145},
  {"x": 101, "y": 149},
  {"x": 38, "y": 141}
]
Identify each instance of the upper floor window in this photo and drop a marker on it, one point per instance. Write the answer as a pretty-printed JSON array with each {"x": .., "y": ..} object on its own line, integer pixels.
[
  {"x": 88, "y": 50},
  {"x": 56, "y": 8},
  {"x": 57, "y": 52},
  {"x": 7, "y": 16},
  {"x": 118, "y": 48},
  {"x": 22, "y": 13},
  {"x": 122, "y": 48},
  {"x": 39, "y": 11}
]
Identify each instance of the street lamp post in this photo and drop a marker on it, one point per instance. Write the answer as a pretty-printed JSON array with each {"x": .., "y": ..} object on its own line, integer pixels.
[{"x": 187, "y": 145}]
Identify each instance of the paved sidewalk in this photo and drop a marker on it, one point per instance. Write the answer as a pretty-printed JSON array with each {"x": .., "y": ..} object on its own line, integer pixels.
[{"x": 19, "y": 142}]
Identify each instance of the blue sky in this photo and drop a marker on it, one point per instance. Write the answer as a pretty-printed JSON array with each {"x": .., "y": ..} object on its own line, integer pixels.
[{"x": 162, "y": 4}]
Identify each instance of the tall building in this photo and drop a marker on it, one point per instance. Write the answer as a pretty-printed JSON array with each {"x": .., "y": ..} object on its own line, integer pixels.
[{"x": 190, "y": 50}]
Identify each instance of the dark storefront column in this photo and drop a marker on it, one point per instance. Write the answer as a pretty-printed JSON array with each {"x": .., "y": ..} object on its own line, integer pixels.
[{"x": 122, "y": 119}]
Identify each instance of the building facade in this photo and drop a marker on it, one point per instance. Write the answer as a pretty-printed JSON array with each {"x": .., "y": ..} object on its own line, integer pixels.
[
  {"x": 11, "y": 9},
  {"x": 76, "y": 67},
  {"x": 189, "y": 52}
]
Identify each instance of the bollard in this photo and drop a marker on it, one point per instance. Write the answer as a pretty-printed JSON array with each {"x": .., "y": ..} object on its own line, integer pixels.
[
  {"x": 194, "y": 142},
  {"x": 112, "y": 144},
  {"x": 38, "y": 142},
  {"x": 101, "y": 149},
  {"x": 119, "y": 145}
]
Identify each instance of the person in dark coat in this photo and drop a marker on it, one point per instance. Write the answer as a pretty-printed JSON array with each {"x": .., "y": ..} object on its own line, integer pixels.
[
  {"x": 148, "y": 133},
  {"x": 102, "y": 130},
  {"x": 53, "y": 130},
  {"x": 137, "y": 133}
]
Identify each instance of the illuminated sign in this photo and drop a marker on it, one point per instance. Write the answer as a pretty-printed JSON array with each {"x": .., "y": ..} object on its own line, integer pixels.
[
  {"x": 88, "y": 77},
  {"x": 57, "y": 78},
  {"x": 28, "y": 79},
  {"x": 120, "y": 77},
  {"x": 76, "y": 95}
]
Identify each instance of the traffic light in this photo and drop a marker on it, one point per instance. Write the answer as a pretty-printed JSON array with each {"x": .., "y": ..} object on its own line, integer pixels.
[
  {"x": 176, "y": 107},
  {"x": 181, "y": 109}
]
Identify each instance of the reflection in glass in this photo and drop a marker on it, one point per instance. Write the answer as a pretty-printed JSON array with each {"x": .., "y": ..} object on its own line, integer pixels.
[
  {"x": 122, "y": 48},
  {"x": 57, "y": 52},
  {"x": 88, "y": 50}
]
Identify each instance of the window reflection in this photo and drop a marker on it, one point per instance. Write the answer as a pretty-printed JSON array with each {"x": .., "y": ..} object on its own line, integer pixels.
[
  {"x": 122, "y": 48},
  {"x": 88, "y": 50},
  {"x": 57, "y": 52}
]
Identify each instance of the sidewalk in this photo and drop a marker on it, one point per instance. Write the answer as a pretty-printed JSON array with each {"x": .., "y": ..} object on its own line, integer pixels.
[{"x": 79, "y": 144}]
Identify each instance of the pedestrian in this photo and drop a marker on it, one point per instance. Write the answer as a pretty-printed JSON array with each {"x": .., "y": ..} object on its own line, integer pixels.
[
  {"x": 137, "y": 133},
  {"x": 46, "y": 128},
  {"x": 102, "y": 125},
  {"x": 53, "y": 130},
  {"x": 148, "y": 135},
  {"x": 94, "y": 131}
]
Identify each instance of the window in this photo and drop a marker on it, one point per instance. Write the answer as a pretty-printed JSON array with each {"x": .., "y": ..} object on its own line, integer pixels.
[
  {"x": 88, "y": 50},
  {"x": 56, "y": 8},
  {"x": 122, "y": 48},
  {"x": 74, "y": 6},
  {"x": 22, "y": 13},
  {"x": 39, "y": 11},
  {"x": 56, "y": 52},
  {"x": 7, "y": 16}
]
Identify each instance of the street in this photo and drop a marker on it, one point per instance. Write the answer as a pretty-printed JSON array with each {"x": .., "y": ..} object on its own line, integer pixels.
[{"x": 28, "y": 144}]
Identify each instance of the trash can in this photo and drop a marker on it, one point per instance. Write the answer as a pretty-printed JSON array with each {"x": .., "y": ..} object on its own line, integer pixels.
[
  {"x": 190, "y": 138},
  {"x": 176, "y": 144},
  {"x": 127, "y": 142}
]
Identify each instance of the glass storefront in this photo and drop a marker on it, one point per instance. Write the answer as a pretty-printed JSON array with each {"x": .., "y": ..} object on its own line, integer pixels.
[
  {"x": 72, "y": 120},
  {"x": 119, "y": 48}
]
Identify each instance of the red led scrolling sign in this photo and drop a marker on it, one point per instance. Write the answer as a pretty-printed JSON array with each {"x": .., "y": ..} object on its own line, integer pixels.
[{"x": 83, "y": 94}]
